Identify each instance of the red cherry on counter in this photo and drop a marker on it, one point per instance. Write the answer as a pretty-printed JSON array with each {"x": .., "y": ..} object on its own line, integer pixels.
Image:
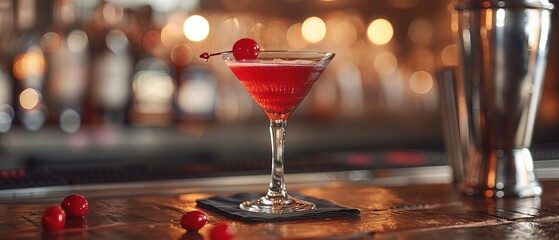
[
  {"x": 54, "y": 219},
  {"x": 222, "y": 231},
  {"x": 75, "y": 206},
  {"x": 193, "y": 220},
  {"x": 245, "y": 49}
]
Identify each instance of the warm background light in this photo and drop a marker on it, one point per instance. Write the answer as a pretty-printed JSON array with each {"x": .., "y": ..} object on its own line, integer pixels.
[
  {"x": 29, "y": 98},
  {"x": 449, "y": 55},
  {"x": 343, "y": 28},
  {"x": 31, "y": 63},
  {"x": 153, "y": 91},
  {"x": 421, "y": 58},
  {"x": 420, "y": 31},
  {"x": 380, "y": 31},
  {"x": 196, "y": 28},
  {"x": 77, "y": 41},
  {"x": 294, "y": 37},
  {"x": 50, "y": 41},
  {"x": 421, "y": 82},
  {"x": 314, "y": 29},
  {"x": 181, "y": 54},
  {"x": 385, "y": 63},
  {"x": 91, "y": 60},
  {"x": 171, "y": 35}
]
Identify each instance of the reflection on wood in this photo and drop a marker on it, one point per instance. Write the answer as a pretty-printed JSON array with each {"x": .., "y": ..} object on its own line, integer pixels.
[{"x": 410, "y": 212}]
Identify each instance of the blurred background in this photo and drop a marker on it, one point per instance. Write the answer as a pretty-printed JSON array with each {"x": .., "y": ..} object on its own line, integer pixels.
[{"x": 93, "y": 84}]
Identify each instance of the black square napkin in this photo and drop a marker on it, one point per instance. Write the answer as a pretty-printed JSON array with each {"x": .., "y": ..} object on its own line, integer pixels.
[{"x": 229, "y": 206}]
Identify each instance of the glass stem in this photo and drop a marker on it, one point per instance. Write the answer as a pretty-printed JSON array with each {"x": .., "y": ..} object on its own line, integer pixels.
[{"x": 278, "y": 129}]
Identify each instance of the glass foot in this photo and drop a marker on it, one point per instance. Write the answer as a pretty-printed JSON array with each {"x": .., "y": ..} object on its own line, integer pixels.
[{"x": 277, "y": 205}]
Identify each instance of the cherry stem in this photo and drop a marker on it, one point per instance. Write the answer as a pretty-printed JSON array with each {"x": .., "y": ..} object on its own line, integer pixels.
[{"x": 206, "y": 55}]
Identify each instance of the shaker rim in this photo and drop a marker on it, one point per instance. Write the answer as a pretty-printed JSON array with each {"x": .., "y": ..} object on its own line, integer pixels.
[{"x": 464, "y": 5}]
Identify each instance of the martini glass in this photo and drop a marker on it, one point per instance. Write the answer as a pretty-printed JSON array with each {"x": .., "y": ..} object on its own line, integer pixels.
[{"x": 278, "y": 81}]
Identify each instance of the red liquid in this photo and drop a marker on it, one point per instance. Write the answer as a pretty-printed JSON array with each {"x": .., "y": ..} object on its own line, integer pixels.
[{"x": 277, "y": 88}]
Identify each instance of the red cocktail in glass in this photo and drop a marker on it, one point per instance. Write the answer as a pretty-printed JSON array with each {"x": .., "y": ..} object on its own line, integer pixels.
[{"x": 278, "y": 81}]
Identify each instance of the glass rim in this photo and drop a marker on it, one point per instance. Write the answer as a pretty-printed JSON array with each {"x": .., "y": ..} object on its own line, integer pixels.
[
  {"x": 282, "y": 54},
  {"x": 287, "y": 52}
]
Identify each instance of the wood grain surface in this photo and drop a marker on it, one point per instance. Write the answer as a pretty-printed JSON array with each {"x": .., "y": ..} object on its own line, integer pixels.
[{"x": 408, "y": 212}]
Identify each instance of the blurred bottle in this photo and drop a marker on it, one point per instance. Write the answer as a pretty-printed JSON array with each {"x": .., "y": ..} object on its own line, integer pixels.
[
  {"x": 67, "y": 49},
  {"x": 111, "y": 83},
  {"x": 6, "y": 107},
  {"x": 6, "y": 82},
  {"x": 153, "y": 87},
  {"x": 68, "y": 78},
  {"x": 153, "y": 83},
  {"x": 197, "y": 95},
  {"x": 29, "y": 64},
  {"x": 108, "y": 93}
]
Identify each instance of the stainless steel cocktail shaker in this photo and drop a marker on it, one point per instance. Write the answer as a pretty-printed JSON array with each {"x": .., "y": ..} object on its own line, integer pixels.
[{"x": 503, "y": 49}]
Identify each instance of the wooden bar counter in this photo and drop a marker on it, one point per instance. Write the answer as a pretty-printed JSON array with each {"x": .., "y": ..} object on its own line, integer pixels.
[{"x": 422, "y": 211}]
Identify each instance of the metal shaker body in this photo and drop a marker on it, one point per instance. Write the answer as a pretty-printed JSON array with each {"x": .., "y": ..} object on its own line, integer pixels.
[{"x": 503, "y": 56}]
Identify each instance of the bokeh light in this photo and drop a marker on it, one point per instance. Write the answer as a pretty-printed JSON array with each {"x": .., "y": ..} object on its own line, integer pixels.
[
  {"x": 380, "y": 31},
  {"x": 30, "y": 63},
  {"x": 181, "y": 54},
  {"x": 153, "y": 91},
  {"x": 489, "y": 19},
  {"x": 171, "y": 35},
  {"x": 420, "y": 31},
  {"x": 294, "y": 36},
  {"x": 64, "y": 14},
  {"x": 29, "y": 98},
  {"x": 500, "y": 17},
  {"x": 34, "y": 120},
  {"x": 117, "y": 41},
  {"x": 453, "y": 17},
  {"x": 112, "y": 14},
  {"x": 385, "y": 63},
  {"x": 50, "y": 41},
  {"x": 313, "y": 29},
  {"x": 196, "y": 28},
  {"x": 229, "y": 30},
  {"x": 5, "y": 122},
  {"x": 421, "y": 58},
  {"x": 275, "y": 33},
  {"x": 197, "y": 93},
  {"x": 421, "y": 82},
  {"x": 77, "y": 41},
  {"x": 7, "y": 114},
  {"x": 70, "y": 121},
  {"x": 341, "y": 30},
  {"x": 449, "y": 55}
]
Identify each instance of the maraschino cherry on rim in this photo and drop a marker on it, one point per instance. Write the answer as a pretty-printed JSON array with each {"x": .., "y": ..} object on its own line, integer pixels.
[
  {"x": 243, "y": 49},
  {"x": 246, "y": 48}
]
